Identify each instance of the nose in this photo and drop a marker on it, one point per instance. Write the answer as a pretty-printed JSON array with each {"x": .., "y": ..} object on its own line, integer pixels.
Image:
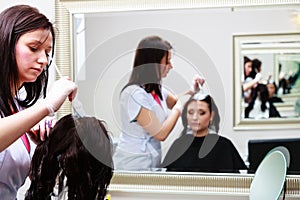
[
  {"x": 42, "y": 59},
  {"x": 195, "y": 116}
]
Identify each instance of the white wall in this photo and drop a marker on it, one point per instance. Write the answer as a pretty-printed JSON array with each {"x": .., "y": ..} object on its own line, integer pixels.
[{"x": 47, "y": 7}]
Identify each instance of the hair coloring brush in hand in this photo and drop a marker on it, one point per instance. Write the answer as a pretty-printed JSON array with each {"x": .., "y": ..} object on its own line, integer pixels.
[{"x": 76, "y": 104}]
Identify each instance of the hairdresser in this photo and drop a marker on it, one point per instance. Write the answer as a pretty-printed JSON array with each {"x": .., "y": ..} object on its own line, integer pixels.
[{"x": 27, "y": 41}]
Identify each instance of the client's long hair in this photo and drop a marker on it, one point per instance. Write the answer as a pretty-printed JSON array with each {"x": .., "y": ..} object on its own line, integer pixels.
[{"x": 77, "y": 155}]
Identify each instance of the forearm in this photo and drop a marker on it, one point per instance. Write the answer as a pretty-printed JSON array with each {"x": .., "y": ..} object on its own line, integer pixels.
[
  {"x": 150, "y": 123},
  {"x": 249, "y": 85},
  {"x": 168, "y": 125},
  {"x": 14, "y": 126}
]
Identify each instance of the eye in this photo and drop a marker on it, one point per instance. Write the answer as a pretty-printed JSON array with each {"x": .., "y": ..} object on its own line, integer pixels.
[
  {"x": 202, "y": 113},
  {"x": 33, "y": 49},
  {"x": 190, "y": 112}
]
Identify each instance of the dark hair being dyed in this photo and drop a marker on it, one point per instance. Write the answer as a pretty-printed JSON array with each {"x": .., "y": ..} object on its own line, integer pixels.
[{"x": 63, "y": 156}]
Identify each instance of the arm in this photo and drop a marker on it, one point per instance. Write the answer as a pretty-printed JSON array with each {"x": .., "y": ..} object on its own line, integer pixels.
[
  {"x": 250, "y": 84},
  {"x": 198, "y": 82},
  {"x": 14, "y": 126},
  {"x": 160, "y": 131},
  {"x": 171, "y": 100}
]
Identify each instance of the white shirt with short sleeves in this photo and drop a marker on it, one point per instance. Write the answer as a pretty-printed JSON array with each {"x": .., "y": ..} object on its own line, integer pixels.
[
  {"x": 137, "y": 149},
  {"x": 14, "y": 168}
]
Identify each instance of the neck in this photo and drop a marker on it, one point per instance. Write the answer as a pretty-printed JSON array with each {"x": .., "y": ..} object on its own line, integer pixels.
[{"x": 201, "y": 133}]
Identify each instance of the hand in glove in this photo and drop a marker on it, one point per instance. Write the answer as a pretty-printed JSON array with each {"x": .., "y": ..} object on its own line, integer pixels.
[
  {"x": 60, "y": 90},
  {"x": 198, "y": 82},
  {"x": 181, "y": 102},
  {"x": 258, "y": 77}
]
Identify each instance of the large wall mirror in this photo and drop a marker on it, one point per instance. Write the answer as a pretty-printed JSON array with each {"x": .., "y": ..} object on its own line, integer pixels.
[
  {"x": 279, "y": 56},
  {"x": 97, "y": 39}
]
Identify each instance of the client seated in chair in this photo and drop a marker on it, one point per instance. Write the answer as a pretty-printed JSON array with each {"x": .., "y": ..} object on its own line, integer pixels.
[
  {"x": 260, "y": 106},
  {"x": 75, "y": 162},
  {"x": 202, "y": 150}
]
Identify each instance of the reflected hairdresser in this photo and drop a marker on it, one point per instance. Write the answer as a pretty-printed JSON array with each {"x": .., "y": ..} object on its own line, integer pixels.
[{"x": 145, "y": 118}]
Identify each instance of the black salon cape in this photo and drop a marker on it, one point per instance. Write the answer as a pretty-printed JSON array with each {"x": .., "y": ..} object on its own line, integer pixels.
[{"x": 218, "y": 155}]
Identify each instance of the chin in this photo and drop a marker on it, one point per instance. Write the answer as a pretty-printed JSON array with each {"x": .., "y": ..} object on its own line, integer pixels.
[
  {"x": 195, "y": 130},
  {"x": 31, "y": 80}
]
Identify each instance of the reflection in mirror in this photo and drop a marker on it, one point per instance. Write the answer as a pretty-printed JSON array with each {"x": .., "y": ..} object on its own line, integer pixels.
[
  {"x": 280, "y": 73},
  {"x": 271, "y": 64},
  {"x": 212, "y": 30},
  {"x": 104, "y": 66}
]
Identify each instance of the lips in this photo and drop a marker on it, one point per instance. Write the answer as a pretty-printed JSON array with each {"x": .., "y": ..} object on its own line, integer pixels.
[
  {"x": 195, "y": 124},
  {"x": 38, "y": 70}
]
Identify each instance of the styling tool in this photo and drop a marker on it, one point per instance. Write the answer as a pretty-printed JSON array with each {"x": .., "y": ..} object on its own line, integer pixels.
[{"x": 76, "y": 104}]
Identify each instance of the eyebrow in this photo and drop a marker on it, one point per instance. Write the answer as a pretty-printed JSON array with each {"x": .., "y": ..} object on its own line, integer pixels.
[{"x": 39, "y": 43}]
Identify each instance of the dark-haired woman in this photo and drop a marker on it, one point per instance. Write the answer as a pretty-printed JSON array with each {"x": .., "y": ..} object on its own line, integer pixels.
[
  {"x": 202, "y": 150},
  {"x": 146, "y": 118},
  {"x": 27, "y": 40},
  {"x": 260, "y": 106},
  {"x": 251, "y": 77},
  {"x": 272, "y": 89}
]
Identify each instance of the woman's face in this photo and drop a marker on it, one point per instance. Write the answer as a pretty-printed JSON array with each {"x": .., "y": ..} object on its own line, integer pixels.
[
  {"x": 248, "y": 68},
  {"x": 198, "y": 117},
  {"x": 271, "y": 89},
  {"x": 166, "y": 65},
  {"x": 32, "y": 50}
]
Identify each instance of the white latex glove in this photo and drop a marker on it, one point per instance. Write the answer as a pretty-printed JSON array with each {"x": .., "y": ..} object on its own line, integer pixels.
[
  {"x": 60, "y": 90},
  {"x": 258, "y": 77},
  {"x": 197, "y": 83},
  {"x": 181, "y": 102}
]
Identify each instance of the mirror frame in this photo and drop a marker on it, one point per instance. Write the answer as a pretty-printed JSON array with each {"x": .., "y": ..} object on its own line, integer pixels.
[
  {"x": 272, "y": 123},
  {"x": 151, "y": 182}
]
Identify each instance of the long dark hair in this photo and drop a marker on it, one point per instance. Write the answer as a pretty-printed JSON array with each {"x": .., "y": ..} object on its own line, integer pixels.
[
  {"x": 65, "y": 155},
  {"x": 256, "y": 67},
  {"x": 146, "y": 66},
  {"x": 212, "y": 108},
  {"x": 260, "y": 91},
  {"x": 246, "y": 60},
  {"x": 14, "y": 22}
]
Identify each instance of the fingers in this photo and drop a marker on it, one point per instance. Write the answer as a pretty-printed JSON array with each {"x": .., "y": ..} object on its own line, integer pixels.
[
  {"x": 198, "y": 82},
  {"x": 43, "y": 128},
  {"x": 60, "y": 90},
  {"x": 73, "y": 93},
  {"x": 34, "y": 136}
]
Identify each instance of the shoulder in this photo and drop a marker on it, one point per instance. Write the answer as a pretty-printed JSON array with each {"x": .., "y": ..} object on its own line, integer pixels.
[
  {"x": 183, "y": 141},
  {"x": 224, "y": 141},
  {"x": 164, "y": 92},
  {"x": 134, "y": 91},
  {"x": 248, "y": 79}
]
